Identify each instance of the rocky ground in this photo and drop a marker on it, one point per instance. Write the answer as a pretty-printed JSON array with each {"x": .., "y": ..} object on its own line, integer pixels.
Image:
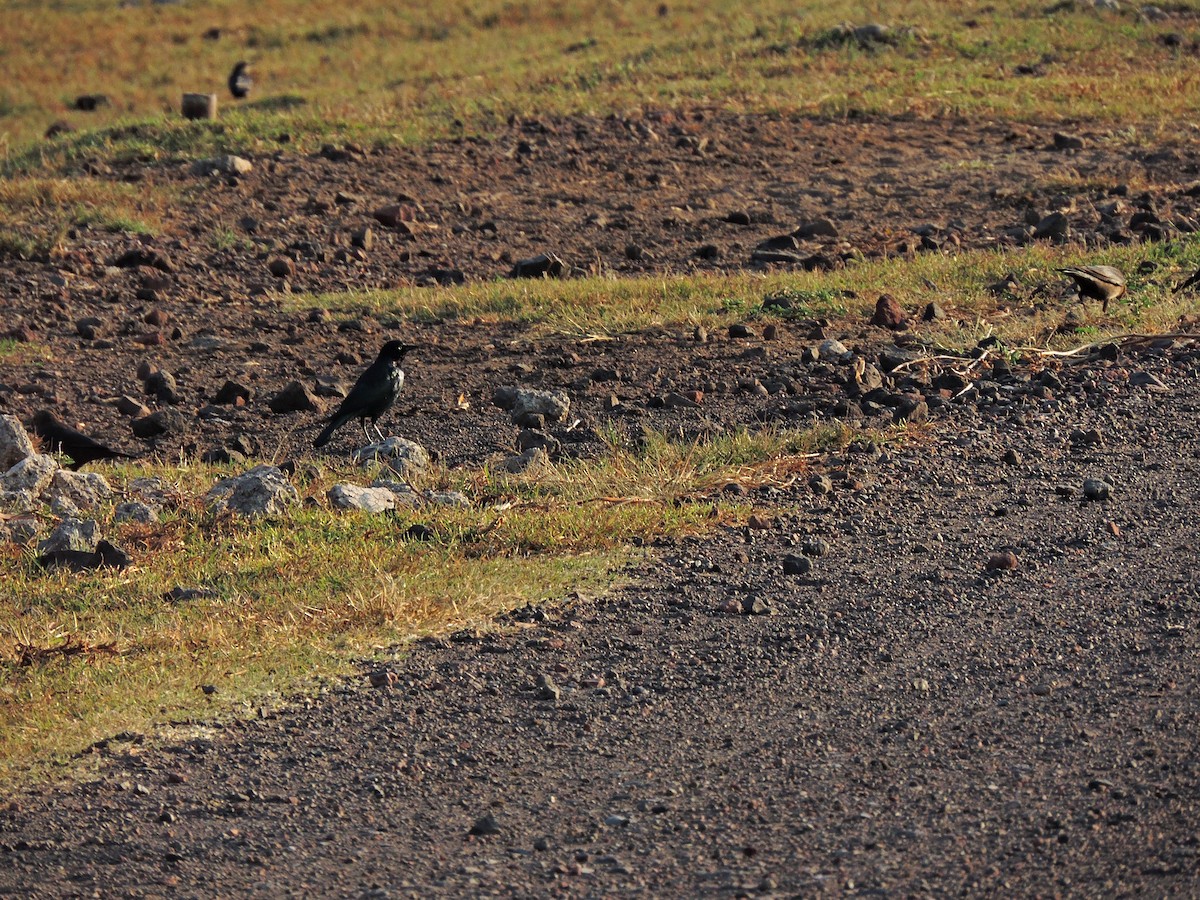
[{"x": 965, "y": 665}]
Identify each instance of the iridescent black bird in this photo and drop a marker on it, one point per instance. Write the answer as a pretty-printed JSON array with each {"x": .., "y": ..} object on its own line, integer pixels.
[
  {"x": 59, "y": 437},
  {"x": 240, "y": 81},
  {"x": 372, "y": 395}
]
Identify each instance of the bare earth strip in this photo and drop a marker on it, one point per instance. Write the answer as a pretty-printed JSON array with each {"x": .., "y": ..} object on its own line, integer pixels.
[{"x": 902, "y": 722}]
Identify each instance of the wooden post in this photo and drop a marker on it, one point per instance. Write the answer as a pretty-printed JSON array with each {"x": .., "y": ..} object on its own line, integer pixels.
[{"x": 199, "y": 106}]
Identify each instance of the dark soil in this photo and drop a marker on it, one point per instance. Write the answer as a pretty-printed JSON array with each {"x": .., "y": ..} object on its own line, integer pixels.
[{"x": 899, "y": 720}]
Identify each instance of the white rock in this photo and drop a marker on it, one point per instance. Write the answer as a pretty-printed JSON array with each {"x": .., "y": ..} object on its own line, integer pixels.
[
  {"x": 32, "y": 475},
  {"x": 72, "y": 534},
  {"x": 222, "y": 165},
  {"x": 554, "y": 405},
  {"x": 15, "y": 444},
  {"x": 832, "y": 349},
  {"x": 403, "y": 493},
  {"x": 406, "y": 458},
  {"x": 262, "y": 491},
  {"x": 82, "y": 490},
  {"x": 368, "y": 499}
]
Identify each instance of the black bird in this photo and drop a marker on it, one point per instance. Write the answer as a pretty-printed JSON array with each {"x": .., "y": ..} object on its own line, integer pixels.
[
  {"x": 240, "y": 80},
  {"x": 1103, "y": 283},
  {"x": 373, "y": 393},
  {"x": 1191, "y": 282},
  {"x": 62, "y": 438}
]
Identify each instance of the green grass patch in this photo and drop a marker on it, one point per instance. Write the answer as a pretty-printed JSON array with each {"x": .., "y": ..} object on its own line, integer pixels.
[
  {"x": 1034, "y": 314},
  {"x": 297, "y": 598}
]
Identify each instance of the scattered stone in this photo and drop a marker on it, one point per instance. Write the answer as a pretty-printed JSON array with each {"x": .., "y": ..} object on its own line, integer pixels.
[
  {"x": 222, "y": 165},
  {"x": 30, "y": 476},
  {"x": 1067, "y": 141},
  {"x": 15, "y": 444},
  {"x": 89, "y": 327},
  {"x": 485, "y": 826},
  {"x": 363, "y": 238},
  {"x": 817, "y": 228},
  {"x": 143, "y": 256},
  {"x": 544, "y": 265},
  {"x": 1006, "y": 561},
  {"x": 821, "y": 484},
  {"x": 404, "y": 457},
  {"x": 264, "y": 490},
  {"x": 233, "y": 394},
  {"x": 162, "y": 386},
  {"x": 794, "y": 564},
  {"x": 131, "y": 406},
  {"x": 282, "y": 267},
  {"x": 532, "y": 462},
  {"x": 523, "y": 403},
  {"x": 135, "y": 511},
  {"x": 730, "y": 606},
  {"x": 532, "y": 438},
  {"x": 739, "y": 330},
  {"x": 1055, "y": 227},
  {"x": 295, "y": 397},
  {"x": 832, "y": 349},
  {"x": 198, "y": 106},
  {"x": 815, "y": 547},
  {"x": 163, "y": 421},
  {"x": 367, "y": 499},
  {"x": 77, "y": 491},
  {"x": 1012, "y": 458},
  {"x": 755, "y": 606},
  {"x": 1096, "y": 489},
  {"x": 72, "y": 534},
  {"x": 889, "y": 314},
  {"x": 383, "y": 678},
  {"x": 738, "y": 217},
  {"x": 932, "y": 312}
]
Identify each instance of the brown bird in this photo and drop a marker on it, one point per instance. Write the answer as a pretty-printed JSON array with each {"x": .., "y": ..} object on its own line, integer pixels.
[
  {"x": 1103, "y": 283},
  {"x": 60, "y": 437}
]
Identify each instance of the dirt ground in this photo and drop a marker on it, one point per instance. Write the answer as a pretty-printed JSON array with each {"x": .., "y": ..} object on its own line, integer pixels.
[{"x": 898, "y": 720}]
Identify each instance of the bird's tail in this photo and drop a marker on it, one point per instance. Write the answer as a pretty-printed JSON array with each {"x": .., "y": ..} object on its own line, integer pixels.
[{"x": 325, "y": 435}]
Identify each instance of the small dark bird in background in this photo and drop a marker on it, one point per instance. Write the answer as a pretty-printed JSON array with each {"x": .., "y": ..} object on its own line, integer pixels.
[
  {"x": 240, "y": 81},
  {"x": 1103, "y": 283},
  {"x": 59, "y": 437},
  {"x": 373, "y": 393},
  {"x": 1189, "y": 283},
  {"x": 105, "y": 556}
]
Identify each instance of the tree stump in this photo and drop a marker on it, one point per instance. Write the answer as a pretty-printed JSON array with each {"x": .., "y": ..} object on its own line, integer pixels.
[{"x": 199, "y": 106}]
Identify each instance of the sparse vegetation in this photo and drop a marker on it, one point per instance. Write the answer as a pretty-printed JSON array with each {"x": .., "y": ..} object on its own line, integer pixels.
[
  {"x": 286, "y": 602},
  {"x": 607, "y": 306},
  {"x": 36, "y": 214},
  {"x": 325, "y": 72}
]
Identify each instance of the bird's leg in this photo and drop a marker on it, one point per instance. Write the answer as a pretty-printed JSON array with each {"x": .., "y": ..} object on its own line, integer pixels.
[
  {"x": 377, "y": 431},
  {"x": 366, "y": 433}
]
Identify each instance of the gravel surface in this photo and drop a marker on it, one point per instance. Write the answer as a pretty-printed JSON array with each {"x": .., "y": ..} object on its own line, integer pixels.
[
  {"x": 941, "y": 668},
  {"x": 900, "y": 720}
]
